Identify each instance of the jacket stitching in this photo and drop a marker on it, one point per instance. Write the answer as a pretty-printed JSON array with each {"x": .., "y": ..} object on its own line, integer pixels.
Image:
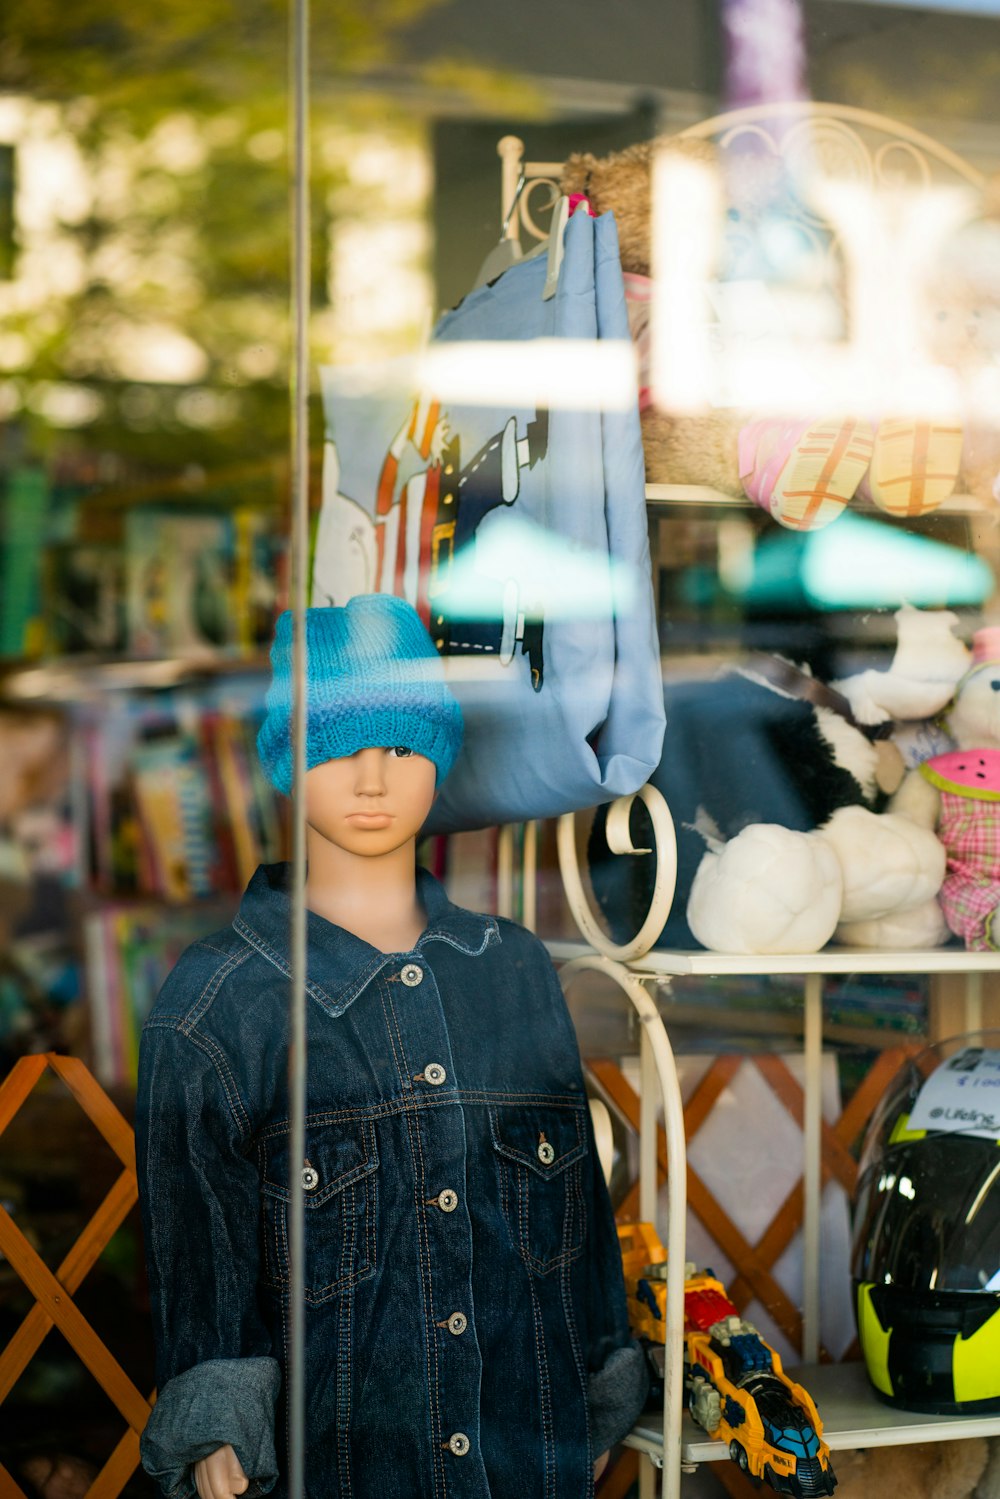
[
  {"x": 390, "y": 1028},
  {"x": 541, "y": 1364},
  {"x": 344, "y": 1319},
  {"x": 430, "y": 1363},
  {"x": 431, "y": 1358},
  {"x": 211, "y": 989},
  {"x": 218, "y": 1059},
  {"x": 339, "y": 1001},
  {"x": 574, "y": 1339},
  {"x": 491, "y": 934},
  {"x": 420, "y": 1102},
  {"x": 272, "y": 956}
]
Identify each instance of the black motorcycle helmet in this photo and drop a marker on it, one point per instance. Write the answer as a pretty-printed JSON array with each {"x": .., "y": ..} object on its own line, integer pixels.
[{"x": 926, "y": 1253}]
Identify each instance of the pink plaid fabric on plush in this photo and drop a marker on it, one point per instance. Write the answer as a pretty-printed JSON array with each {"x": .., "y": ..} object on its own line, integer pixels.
[{"x": 969, "y": 828}]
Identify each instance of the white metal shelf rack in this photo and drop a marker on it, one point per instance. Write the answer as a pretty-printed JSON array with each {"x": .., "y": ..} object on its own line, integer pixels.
[
  {"x": 871, "y": 148},
  {"x": 852, "y": 1414}
]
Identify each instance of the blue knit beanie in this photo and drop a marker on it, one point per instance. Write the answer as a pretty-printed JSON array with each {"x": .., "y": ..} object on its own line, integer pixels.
[{"x": 373, "y": 677}]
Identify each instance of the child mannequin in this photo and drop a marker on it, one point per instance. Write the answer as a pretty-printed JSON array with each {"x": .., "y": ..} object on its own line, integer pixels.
[{"x": 466, "y": 1326}]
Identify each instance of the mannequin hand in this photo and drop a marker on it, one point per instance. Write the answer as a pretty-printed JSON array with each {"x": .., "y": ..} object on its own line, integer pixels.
[
  {"x": 600, "y": 1465},
  {"x": 220, "y": 1475}
]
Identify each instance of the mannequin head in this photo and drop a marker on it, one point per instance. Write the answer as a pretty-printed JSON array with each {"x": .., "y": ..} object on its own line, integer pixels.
[
  {"x": 373, "y": 680},
  {"x": 372, "y": 802}
]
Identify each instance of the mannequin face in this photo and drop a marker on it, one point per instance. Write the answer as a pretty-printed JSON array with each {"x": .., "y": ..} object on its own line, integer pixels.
[{"x": 371, "y": 802}]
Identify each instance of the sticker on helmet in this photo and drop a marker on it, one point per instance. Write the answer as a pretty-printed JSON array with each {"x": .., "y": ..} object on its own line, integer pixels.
[{"x": 962, "y": 1096}]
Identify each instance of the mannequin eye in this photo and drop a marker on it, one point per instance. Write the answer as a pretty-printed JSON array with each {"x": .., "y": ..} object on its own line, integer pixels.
[{"x": 401, "y": 751}]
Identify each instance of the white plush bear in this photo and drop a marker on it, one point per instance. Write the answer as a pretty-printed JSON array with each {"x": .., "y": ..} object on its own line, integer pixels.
[{"x": 859, "y": 877}]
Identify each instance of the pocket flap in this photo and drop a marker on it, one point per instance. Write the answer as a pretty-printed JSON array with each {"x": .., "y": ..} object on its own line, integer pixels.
[
  {"x": 335, "y": 1156},
  {"x": 544, "y": 1139}
]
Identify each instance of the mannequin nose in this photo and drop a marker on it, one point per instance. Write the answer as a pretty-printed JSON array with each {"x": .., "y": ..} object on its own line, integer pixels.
[{"x": 369, "y": 778}]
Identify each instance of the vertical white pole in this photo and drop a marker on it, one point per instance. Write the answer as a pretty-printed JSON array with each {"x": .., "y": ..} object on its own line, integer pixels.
[
  {"x": 298, "y": 106},
  {"x": 813, "y": 1165},
  {"x": 649, "y": 1095}
]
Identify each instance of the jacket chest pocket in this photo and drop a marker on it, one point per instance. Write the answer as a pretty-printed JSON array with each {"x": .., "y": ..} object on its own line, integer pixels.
[
  {"x": 539, "y": 1154},
  {"x": 337, "y": 1180}
]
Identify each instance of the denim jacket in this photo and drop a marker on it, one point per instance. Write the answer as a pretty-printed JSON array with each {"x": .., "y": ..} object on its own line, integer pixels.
[{"x": 466, "y": 1331}]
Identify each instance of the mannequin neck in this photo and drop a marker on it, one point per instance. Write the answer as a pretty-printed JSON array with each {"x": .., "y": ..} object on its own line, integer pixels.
[{"x": 375, "y": 897}]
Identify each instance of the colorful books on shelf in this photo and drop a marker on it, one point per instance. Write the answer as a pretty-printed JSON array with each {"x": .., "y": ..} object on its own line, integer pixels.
[
  {"x": 177, "y": 817},
  {"x": 129, "y": 950},
  {"x": 178, "y": 807}
]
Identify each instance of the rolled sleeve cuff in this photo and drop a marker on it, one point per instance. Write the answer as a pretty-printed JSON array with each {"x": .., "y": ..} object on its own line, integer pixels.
[
  {"x": 219, "y": 1402},
  {"x": 616, "y": 1394}
]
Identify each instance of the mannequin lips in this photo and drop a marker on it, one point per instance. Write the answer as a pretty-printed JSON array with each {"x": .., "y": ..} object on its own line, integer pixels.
[{"x": 370, "y": 819}]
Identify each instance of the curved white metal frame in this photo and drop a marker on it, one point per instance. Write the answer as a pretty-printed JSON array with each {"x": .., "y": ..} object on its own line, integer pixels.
[
  {"x": 657, "y": 1064},
  {"x": 620, "y": 842},
  {"x": 795, "y": 125}
]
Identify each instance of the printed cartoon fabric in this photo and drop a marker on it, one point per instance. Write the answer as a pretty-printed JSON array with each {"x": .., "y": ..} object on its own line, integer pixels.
[{"x": 519, "y": 534}]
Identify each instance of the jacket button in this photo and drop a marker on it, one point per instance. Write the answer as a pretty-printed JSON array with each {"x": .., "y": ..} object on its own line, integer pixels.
[
  {"x": 459, "y": 1444},
  {"x": 546, "y": 1154},
  {"x": 310, "y": 1177},
  {"x": 434, "y": 1074},
  {"x": 412, "y": 975},
  {"x": 447, "y": 1200},
  {"x": 457, "y": 1323}
]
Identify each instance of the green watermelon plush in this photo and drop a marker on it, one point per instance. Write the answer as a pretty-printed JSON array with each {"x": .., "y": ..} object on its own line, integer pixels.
[{"x": 969, "y": 773}]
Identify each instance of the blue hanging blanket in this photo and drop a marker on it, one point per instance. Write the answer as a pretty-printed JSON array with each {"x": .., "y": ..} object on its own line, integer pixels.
[{"x": 514, "y": 519}]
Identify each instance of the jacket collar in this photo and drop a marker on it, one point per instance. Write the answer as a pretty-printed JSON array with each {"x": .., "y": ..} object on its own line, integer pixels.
[{"x": 338, "y": 964}]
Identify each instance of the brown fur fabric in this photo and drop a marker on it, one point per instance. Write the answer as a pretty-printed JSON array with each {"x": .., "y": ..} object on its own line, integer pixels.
[
  {"x": 681, "y": 449},
  {"x": 623, "y": 184},
  {"x": 678, "y": 449}
]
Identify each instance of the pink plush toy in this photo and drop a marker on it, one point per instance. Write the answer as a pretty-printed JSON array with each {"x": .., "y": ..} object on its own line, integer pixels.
[{"x": 958, "y": 794}]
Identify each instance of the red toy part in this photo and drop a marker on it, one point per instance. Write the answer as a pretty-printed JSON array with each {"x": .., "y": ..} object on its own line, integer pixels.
[{"x": 703, "y": 1308}]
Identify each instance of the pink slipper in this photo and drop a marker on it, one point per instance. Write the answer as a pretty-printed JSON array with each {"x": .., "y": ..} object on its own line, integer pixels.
[
  {"x": 803, "y": 473},
  {"x": 914, "y": 466}
]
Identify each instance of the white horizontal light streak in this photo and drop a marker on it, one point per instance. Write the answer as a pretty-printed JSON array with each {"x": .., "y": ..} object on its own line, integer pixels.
[
  {"x": 560, "y": 374},
  {"x": 565, "y": 374}
]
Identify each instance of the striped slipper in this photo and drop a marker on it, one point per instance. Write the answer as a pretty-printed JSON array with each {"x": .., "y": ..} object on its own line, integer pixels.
[
  {"x": 803, "y": 473},
  {"x": 914, "y": 467}
]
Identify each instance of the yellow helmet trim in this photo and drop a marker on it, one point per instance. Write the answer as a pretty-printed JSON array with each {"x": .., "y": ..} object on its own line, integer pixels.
[
  {"x": 901, "y": 1131},
  {"x": 976, "y": 1363},
  {"x": 874, "y": 1341}
]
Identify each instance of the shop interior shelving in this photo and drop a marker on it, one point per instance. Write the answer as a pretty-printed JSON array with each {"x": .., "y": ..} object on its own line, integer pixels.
[{"x": 853, "y": 1416}]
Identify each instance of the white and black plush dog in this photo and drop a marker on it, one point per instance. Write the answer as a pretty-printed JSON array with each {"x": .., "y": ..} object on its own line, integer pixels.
[{"x": 773, "y": 781}]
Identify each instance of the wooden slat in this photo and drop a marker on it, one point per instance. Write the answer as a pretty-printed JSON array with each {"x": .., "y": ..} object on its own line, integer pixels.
[
  {"x": 706, "y": 1094},
  {"x": 18, "y": 1083},
  {"x": 9, "y": 1489},
  {"x": 784, "y": 1086},
  {"x": 868, "y": 1092},
  {"x": 54, "y": 1306},
  {"x": 26, "y": 1341},
  {"x": 741, "y": 1252},
  {"x": 617, "y": 1480},
  {"x": 704, "y": 1206},
  {"x": 98, "y": 1107},
  {"x": 754, "y": 1280},
  {"x": 58, "y": 1305},
  {"x": 119, "y": 1467}
]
